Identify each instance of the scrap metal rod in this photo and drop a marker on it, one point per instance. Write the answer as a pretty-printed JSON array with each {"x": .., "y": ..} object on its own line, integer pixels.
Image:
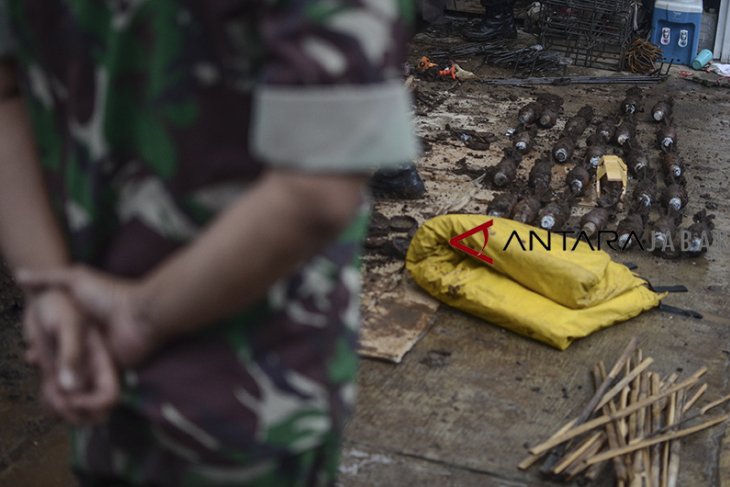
[{"x": 573, "y": 80}]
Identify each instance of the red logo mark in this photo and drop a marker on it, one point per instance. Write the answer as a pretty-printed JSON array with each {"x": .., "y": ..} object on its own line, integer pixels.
[{"x": 484, "y": 228}]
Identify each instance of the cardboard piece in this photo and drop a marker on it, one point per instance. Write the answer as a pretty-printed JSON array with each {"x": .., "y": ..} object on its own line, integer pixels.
[{"x": 613, "y": 168}]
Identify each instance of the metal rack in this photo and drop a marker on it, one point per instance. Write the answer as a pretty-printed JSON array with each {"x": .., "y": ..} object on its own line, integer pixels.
[{"x": 592, "y": 33}]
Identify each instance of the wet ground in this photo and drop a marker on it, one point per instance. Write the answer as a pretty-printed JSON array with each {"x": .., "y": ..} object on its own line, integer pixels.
[
  {"x": 33, "y": 450},
  {"x": 467, "y": 399}
]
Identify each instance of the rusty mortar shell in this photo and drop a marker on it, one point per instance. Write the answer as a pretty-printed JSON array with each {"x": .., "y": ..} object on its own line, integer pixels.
[
  {"x": 645, "y": 193},
  {"x": 675, "y": 197},
  {"x": 630, "y": 105},
  {"x": 540, "y": 175},
  {"x": 586, "y": 113},
  {"x": 526, "y": 209},
  {"x": 506, "y": 171},
  {"x": 594, "y": 221},
  {"x": 523, "y": 141},
  {"x": 673, "y": 165},
  {"x": 529, "y": 113},
  {"x": 661, "y": 111},
  {"x": 552, "y": 216},
  {"x": 700, "y": 232},
  {"x": 606, "y": 129},
  {"x": 624, "y": 133},
  {"x": 632, "y": 102},
  {"x": 575, "y": 127},
  {"x": 594, "y": 154},
  {"x": 563, "y": 149},
  {"x": 578, "y": 180},
  {"x": 662, "y": 231},
  {"x": 629, "y": 229},
  {"x": 502, "y": 205},
  {"x": 638, "y": 160},
  {"x": 667, "y": 138},
  {"x": 548, "y": 118}
]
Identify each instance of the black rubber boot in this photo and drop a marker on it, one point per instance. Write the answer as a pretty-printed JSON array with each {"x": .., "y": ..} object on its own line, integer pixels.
[
  {"x": 498, "y": 23},
  {"x": 402, "y": 183}
]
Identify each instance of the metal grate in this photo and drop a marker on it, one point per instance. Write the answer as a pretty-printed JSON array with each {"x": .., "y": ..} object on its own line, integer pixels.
[{"x": 592, "y": 33}]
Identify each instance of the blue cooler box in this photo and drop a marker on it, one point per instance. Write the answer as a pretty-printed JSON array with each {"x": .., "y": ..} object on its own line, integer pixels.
[{"x": 676, "y": 29}]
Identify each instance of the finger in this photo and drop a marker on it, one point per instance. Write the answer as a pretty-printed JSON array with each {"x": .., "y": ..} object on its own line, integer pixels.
[
  {"x": 41, "y": 348},
  {"x": 32, "y": 356},
  {"x": 104, "y": 393},
  {"x": 33, "y": 281},
  {"x": 59, "y": 318},
  {"x": 70, "y": 339},
  {"x": 57, "y": 402}
]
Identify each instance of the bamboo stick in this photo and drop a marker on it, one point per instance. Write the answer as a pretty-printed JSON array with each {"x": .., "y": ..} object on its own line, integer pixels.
[
  {"x": 675, "y": 446},
  {"x": 607, "y": 455},
  {"x": 601, "y": 420},
  {"x": 671, "y": 379},
  {"x": 575, "y": 454},
  {"x": 695, "y": 397},
  {"x": 600, "y": 393},
  {"x": 646, "y": 421},
  {"x": 671, "y": 417},
  {"x": 637, "y": 468},
  {"x": 656, "y": 423},
  {"x": 580, "y": 465},
  {"x": 594, "y": 471},
  {"x": 714, "y": 404},
  {"x": 640, "y": 465},
  {"x": 531, "y": 459},
  {"x": 646, "y": 474},
  {"x": 622, "y": 430},
  {"x": 633, "y": 399},
  {"x": 631, "y": 376},
  {"x": 641, "y": 413},
  {"x": 623, "y": 401},
  {"x": 611, "y": 430},
  {"x": 591, "y": 406}
]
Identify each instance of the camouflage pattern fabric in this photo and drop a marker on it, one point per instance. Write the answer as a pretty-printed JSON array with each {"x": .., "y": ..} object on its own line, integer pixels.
[
  {"x": 7, "y": 44},
  {"x": 143, "y": 111}
]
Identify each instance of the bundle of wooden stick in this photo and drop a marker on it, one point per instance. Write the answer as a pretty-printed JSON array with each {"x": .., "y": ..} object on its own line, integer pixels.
[{"x": 634, "y": 422}]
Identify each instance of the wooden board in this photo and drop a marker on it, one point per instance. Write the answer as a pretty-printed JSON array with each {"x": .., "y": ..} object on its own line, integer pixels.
[{"x": 393, "y": 327}]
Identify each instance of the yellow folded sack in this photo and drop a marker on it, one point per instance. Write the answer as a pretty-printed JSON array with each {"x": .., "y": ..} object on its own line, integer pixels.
[{"x": 554, "y": 296}]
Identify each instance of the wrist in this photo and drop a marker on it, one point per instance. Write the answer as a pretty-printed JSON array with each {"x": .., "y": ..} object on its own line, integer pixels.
[{"x": 140, "y": 304}]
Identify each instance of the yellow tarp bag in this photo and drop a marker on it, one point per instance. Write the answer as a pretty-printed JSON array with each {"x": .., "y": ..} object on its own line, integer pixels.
[{"x": 554, "y": 296}]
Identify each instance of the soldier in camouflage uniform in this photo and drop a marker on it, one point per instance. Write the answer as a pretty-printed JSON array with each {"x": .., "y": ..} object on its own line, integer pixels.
[{"x": 152, "y": 118}]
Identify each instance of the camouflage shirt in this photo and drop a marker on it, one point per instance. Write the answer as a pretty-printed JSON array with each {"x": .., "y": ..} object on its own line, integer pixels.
[{"x": 151, "y": 116}]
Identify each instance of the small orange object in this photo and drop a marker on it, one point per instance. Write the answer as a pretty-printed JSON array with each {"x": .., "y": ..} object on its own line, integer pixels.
[
  {"x": 425, "y": 63},
  {"x": 448, "y": 72}
]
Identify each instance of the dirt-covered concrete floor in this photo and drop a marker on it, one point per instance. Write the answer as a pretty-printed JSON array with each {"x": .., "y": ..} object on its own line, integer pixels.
[{"x": 464, "y": 403}]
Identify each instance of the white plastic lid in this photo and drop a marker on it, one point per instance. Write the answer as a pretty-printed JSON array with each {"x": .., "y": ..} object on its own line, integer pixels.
[{"x": 685, "y": 6}]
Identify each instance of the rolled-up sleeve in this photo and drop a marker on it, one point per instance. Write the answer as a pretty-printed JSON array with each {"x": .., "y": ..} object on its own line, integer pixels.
[
  {"x": 7, "y": 43},
  {"x": 331, "y": 96}
]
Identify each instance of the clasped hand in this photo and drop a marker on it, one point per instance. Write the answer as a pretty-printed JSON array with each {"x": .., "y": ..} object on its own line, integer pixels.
[{"x": 81, "y": 328}]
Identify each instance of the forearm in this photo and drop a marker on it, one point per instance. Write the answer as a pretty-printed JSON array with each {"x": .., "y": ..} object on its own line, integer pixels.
[
  {"x": 29, "y": 234},
  {"x": 263, "y": 237}
]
